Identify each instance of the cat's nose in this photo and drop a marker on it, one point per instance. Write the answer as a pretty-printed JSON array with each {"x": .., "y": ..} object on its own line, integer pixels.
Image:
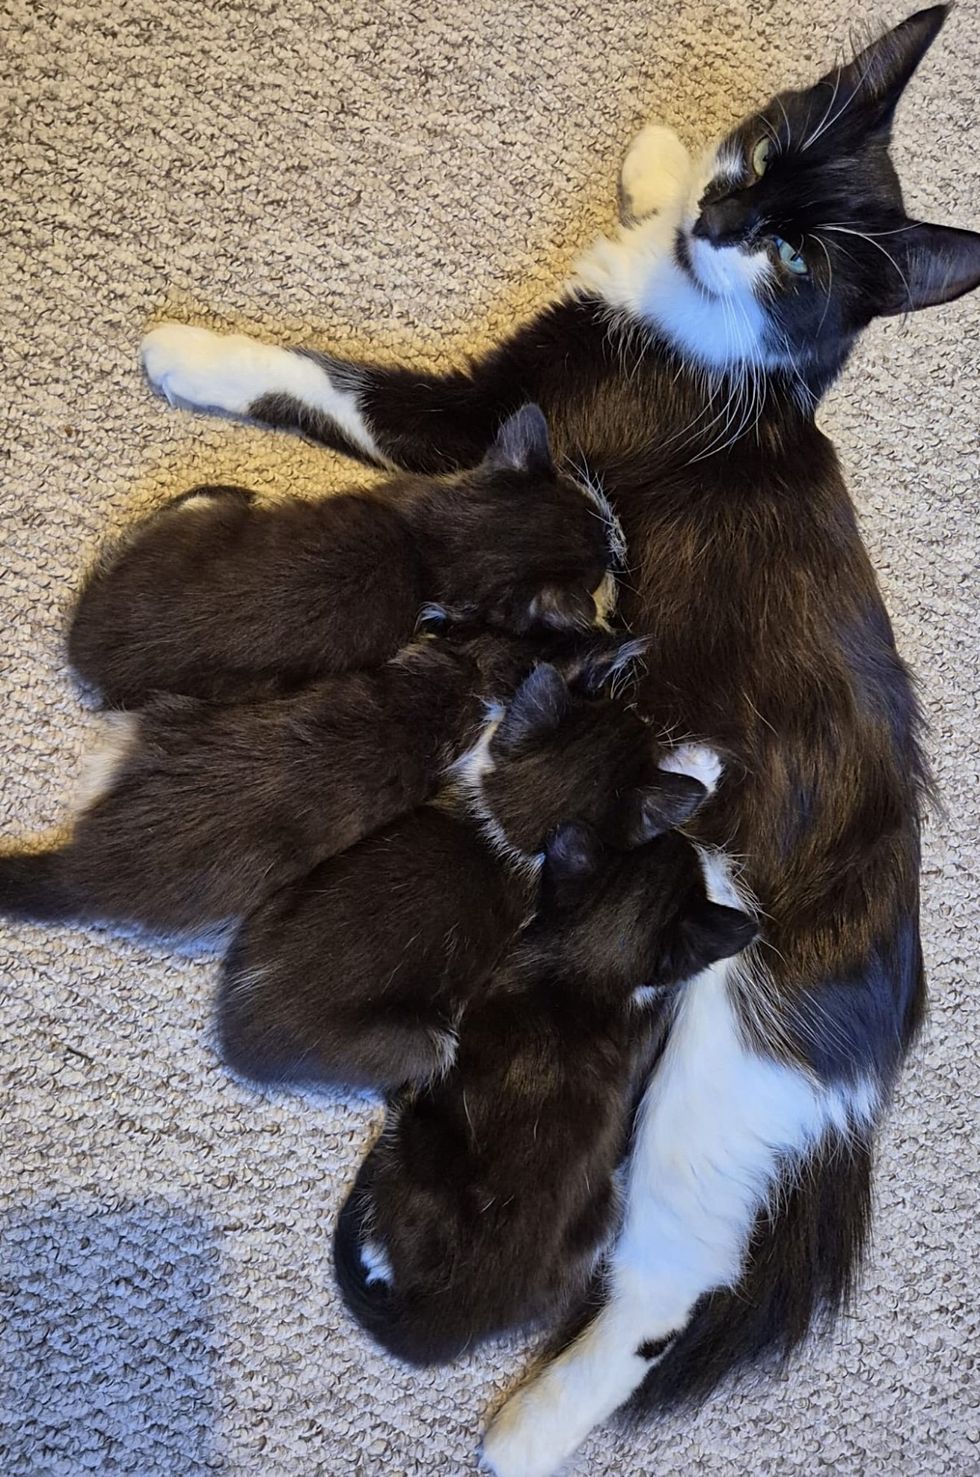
[{"x": 723, "y": 222}]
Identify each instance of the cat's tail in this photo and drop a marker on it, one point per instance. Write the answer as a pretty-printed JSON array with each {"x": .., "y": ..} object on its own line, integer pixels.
[
  {"x": 409, "y": 1329},
  {"x": 34, "y": 886}
]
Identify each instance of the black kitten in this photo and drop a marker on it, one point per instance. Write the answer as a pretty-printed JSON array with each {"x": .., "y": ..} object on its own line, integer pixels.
[
  {"x": 201, "y": 810},
  {"x": 490, "y": 1194},
  {"x": 358, "y": 973},
  {"x": 222, "y": 596}
]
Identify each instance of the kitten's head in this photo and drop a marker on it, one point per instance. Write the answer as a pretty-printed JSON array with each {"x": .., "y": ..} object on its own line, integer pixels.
[
  {"x": 645, "y": 917},
  {"x": 795, "y": 222},
  {"x": 516, "y": 544},
  {"x": 562, "y": 750}
]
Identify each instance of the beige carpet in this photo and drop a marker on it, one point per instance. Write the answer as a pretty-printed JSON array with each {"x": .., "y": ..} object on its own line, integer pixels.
[{"x": 416, "y": 176}]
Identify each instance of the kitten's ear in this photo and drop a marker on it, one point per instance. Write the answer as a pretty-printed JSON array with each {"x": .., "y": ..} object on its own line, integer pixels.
[
  {"x": 600, "y": 665},
  {"x": 710, "y": 931},
  {"x": 668, "y": 802},
  {"x": 561, "y": 608},
  {"x": 573, "y": 851},
  {"x": 522, "y": 444},
  {"x": 536, "y": 709},
  {"x": 933, "y": 264},
  {"x": 880, "y": 73}
]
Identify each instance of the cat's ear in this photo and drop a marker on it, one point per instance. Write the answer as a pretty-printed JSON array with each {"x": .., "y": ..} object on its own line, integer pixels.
[
  {"x": 879, "y": 74},
  {"x": 709, "y": 932},
  {"x": 573, "y": 851},
  {"x": 932, "y": 264},
  {"x": 522, "y": 444},
  {"x": 602, "y": 664},
  {"x": 661, "y": 806},
  {"x": 536, "y": 709}
]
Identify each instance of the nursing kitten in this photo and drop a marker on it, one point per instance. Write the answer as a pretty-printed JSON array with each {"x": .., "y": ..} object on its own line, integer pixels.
[
  {"x": 358, "y": 973},
  {"x": 197, "y": 811},
  {"x": 490, "y": 1193},
  {"x": 220, "y": 595},
  {"x": 682, "y": 370}
]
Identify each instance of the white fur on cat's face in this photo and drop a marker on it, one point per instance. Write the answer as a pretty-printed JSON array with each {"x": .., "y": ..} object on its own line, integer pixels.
[{"x": 713, "y": 313}]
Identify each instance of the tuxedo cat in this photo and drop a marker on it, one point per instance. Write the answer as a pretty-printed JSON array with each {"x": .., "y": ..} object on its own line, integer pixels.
[
  {"x": 490, "y": 1192},
  {"x": 358, "y": 972},
  {"x": 682, "y": 370},
  {"x": 197, "y": 811},
  {"x": 220, "y": 595}
]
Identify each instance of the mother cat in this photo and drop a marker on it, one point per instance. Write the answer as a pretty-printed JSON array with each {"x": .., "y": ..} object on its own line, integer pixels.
[{"x": 682, "y": 370}]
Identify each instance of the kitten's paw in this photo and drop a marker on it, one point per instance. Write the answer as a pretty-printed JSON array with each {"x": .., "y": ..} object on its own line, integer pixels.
[
  {"x": 205, "y": 370},
  {"x": 655, "y": 173},
  {"x": 697, "y": 760}
]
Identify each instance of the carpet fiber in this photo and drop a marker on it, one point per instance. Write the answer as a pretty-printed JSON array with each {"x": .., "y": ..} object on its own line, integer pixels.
[{"x": 416, "y": 176}]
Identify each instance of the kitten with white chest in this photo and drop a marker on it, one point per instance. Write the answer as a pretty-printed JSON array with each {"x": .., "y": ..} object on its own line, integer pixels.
[
  {"x": 490, "y": 1193},
  {"x": 358, "y": 973},
  {"x": 198, "y": 811}
]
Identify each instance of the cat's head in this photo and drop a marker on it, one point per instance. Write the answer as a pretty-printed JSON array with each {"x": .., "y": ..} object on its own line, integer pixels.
[
  {"x": 650, "y": 917},
  {"x": 795, "y": 222},
  {"x": 518, "y": 545},
  {"x": 563, "y": 750}
]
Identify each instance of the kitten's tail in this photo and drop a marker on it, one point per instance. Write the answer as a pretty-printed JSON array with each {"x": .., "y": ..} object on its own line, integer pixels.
[{"x": 34, "y": 887}]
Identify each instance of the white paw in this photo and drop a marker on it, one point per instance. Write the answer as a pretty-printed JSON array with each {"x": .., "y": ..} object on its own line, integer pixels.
[
  {"x": 215, "y": 371},
  {"x": 516, "y": 1446},
  {"x": 697, "y": 760},
  {"x": 656, "y": 171}
]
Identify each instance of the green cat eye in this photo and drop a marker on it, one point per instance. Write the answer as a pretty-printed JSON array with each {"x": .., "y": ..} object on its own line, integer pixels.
[
  {"x": 760, "y": 156},
  {"x": 789, "y": 256}
]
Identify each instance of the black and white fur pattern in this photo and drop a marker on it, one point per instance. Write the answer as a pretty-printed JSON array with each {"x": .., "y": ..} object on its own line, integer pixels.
[{"x": 682, "y": 370}]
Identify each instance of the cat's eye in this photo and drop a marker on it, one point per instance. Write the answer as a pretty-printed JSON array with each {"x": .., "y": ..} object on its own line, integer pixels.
[
  {"x": 760, "y": 157},
  {"x": 790, "y": 257}
]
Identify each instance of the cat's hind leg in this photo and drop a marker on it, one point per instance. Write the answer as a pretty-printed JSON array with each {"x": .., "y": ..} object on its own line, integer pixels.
[{"x": 656, "y": 173}]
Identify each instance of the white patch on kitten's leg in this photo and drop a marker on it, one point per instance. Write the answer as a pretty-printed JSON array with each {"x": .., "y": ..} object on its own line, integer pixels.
[
  {"x": 118, "y": 733},
  {"x": 697, "y": 760},
  {"x": 230, "y": 372},
  {"x": 656, "y": 171}
]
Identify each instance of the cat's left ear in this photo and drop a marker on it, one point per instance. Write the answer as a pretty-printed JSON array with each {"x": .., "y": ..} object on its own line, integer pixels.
[
  {"x": 879, "y": 74},
  {"x": 667, "y": 803},
  {"x": 932, "y": 264},
  {"x": 522, "y": 444}
]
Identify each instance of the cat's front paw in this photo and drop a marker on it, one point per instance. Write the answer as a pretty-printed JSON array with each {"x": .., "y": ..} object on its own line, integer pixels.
[
  {"x": 205, "y": 370},
  {"x": 656, "y": 172}
]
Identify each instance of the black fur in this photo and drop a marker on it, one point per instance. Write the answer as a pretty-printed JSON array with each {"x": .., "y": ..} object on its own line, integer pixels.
[
  {"x": 491, "y": 1191},
  {"x": 358, "y": 972},
  {"x": 222, "y": 596},
  {"x": 214, "y": 806},
  {"x": 748, "y": 570}
]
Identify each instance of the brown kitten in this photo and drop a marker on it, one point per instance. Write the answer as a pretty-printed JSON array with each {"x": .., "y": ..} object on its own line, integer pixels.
[
  {"x": 222, "y": 596},
  {"x": 357, "y": 974},
  {"x": 490, "y": 1194},
  {"x": 202, "y": 809}
]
